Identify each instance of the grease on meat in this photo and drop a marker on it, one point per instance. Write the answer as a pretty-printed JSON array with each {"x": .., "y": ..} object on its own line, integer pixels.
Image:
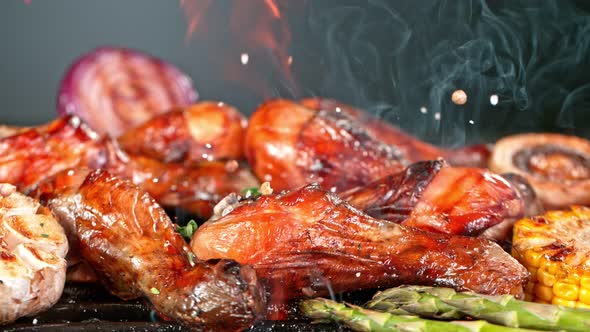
[
  {"x": 135, "y": 250},
  {"x": 201, "y": 132},
  {"x": 307, "y": 241}
]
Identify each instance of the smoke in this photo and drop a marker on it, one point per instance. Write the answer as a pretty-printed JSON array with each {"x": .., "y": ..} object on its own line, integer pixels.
[{"x": 524, "y": 65}]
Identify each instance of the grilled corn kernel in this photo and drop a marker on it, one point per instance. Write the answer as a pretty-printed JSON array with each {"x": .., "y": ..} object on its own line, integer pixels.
[
  {"x": 566, "y": 291},
  {"x": 584, "y": 295},
  {"x": 555, "y": 247},
  {"x": 545, "y": 278},
  {"x": 582, "y": 305},
  {"x": 566, "y": 303}
]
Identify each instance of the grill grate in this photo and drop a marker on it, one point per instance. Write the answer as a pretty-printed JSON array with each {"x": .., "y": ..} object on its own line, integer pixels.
[{"x": 88, "y": 307}]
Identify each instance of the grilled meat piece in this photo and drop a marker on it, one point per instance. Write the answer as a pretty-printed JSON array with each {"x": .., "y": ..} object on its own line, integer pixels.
[
  {"x": 432, "y": 196},
  {"x": 32, "y": 250},
  {"x": 196, "y": 189},
  {"x": 557, "y": 166},
  {"x": 38, "y": 154},
  {"x": 290, "y": 146},
  {"x": 201, "y": 132},
  {"x": 49, "y": 192},
  {"x": 134, "y": 248},
  {"x": 502, "y": 232},
  {"x": 411, "y": 147},
  {"x": 308, "y": 241},
  {"x": 6, "y": 131}
]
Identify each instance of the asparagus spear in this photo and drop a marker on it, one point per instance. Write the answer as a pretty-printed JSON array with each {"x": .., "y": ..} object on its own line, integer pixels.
[
  {"x": 359, "y": 319},
  {"x": 436, "y": 302}
]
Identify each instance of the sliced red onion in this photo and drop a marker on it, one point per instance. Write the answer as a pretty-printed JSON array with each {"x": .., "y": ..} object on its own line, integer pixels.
[{"x": 115, "y": 89}]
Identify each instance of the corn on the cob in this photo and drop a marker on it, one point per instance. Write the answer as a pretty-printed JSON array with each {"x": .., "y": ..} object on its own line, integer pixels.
[{"x": 555, "y": 248}]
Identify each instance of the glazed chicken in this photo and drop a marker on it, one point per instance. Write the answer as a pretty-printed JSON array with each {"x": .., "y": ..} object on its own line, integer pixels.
[
  {"x": 39, "y": 153},
  {"x": 196, "y": 189},
  {"x": 410, "y": 147},
  {"x": 433, "y": 196},
  {"x": 201, "y": 132},
  {"x": 32, "y": 250},
  {"x": 290, "y": 145},
  {"x": 309, "y": 242},
  {"x": 135, "y": 250},
  {"x": 6, "y": 131}
]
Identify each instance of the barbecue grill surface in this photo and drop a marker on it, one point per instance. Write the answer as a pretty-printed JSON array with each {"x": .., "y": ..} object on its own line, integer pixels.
[{"x": 88, "y": 307}]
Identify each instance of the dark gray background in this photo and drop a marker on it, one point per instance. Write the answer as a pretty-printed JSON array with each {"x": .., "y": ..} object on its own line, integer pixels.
[{"x": 391, "y": 57}]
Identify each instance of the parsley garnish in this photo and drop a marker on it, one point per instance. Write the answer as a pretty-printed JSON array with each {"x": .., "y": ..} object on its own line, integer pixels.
[
  {"x": 155, "y": 291},
  {"x": 45, "y": 235},
  {"x": 191, "y": 258},
  {"x": 251, "y": 192},
  {"x": 188, "y": 230}
]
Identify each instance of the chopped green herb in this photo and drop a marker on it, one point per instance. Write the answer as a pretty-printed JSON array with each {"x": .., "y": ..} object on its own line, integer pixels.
[
  {"x": 155, "y": 291},
  {"x": 45, "y": 235},
  {"x": 191, "y": 258},
  {"x": 251, "y": 192},
  {"x": 188, "y": 230}
]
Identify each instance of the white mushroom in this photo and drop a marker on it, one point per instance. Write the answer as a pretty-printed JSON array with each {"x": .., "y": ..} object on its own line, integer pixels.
[{"x": 32, "y": 250}]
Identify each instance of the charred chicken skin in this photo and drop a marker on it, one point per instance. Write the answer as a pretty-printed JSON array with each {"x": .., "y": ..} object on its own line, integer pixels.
[
  {"x": 32, "y": 250},
  {"x": 410, "y": 147},
  {"x": 134, "y": 248},
  {"x": 290, "y": 145},
  {"x": 204, "y": 131},
  {"x": 433, "y": 196},
  {"x": 307, "y": 241},
  {"x": 39, "y": 153}
]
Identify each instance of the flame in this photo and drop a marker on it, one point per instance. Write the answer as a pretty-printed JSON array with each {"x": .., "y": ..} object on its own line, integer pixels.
[
  {"x": 258, "y": 30},
  {"x": 194, "y": 10},
  {"x": 273, "y": 8}
]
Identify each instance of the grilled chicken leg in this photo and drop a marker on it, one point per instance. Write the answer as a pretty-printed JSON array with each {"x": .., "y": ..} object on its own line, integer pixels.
[
  {"x": 290, "y": 145},
  {"x": 435, "y": 197},
  {"x": 411, "y": 148},
  {"x": 134, "y": 248},
  {"x": 307, "y": 241}
]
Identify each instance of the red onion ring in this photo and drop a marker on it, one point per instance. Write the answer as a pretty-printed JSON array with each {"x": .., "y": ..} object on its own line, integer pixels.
[{"x": 115, "y": 89}]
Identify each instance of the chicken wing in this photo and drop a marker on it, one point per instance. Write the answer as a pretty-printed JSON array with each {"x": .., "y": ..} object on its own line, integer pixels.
[
  {"x": 201, "y": 132},
  {"x": 134, "y": 248},
  {"x": 309, "y": 241}
]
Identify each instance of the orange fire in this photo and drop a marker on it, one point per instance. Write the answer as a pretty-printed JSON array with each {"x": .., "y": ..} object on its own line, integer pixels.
[{"x": 255, "y": 27}]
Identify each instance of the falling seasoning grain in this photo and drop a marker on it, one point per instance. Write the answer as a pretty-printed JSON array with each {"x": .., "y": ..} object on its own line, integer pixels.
[
  {"x": 459, "y": 97},
  {"x": 494, "y": 100}
]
